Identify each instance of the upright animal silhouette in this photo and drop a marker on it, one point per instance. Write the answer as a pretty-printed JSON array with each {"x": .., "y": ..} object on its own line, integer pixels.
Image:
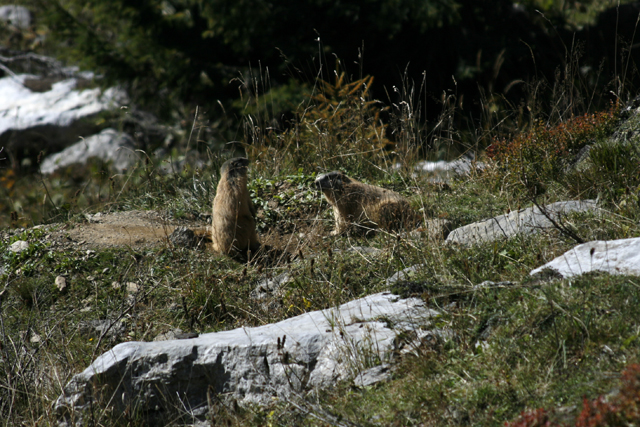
[{"x": 233, "y": 230}]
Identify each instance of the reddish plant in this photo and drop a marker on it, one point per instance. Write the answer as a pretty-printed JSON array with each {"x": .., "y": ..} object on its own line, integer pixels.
[
  {"x": 541, "y": 153},
  {"x": 534, "y": 418},
  {"x": 557, "y": 140},
  {"x": 621, "y": 409}
]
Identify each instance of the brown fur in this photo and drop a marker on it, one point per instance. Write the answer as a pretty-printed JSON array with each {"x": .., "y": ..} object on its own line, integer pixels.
[
  {"x": 233, "y": 229},
  {"x": 364, "y": 205}
]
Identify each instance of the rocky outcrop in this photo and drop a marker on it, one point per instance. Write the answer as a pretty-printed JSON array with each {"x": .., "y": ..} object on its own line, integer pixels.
[
  {"x": 17, "y": 16},
  {"x": 250, "y": 365},
  {"x": 109, "y": 146},
  {"x": 530, "y": 220},
  {"x": 610, "y": 256},
  {"x": 34, "y": 117}
]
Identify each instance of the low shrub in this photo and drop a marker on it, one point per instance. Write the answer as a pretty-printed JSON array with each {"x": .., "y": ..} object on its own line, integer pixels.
[{"x": 543, "y": 153}]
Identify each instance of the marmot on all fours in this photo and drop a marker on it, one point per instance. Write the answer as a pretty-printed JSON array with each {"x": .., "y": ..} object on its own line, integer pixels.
[
  {"x": 366, "y": 206},
  {"x": 233, "y": 225}
]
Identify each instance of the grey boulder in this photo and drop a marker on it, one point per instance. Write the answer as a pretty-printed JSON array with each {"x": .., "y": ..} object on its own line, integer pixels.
[{"x": 250, "y": 365}]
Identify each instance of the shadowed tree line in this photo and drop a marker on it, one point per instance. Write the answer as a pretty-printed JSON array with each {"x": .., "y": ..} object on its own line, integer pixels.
[{"x": 487, "y": 55}]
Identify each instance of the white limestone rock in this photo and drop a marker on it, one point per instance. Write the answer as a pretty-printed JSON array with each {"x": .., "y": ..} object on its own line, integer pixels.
[
  {"x": 48, "y": 120},
  {"x": 405, "y": 274},
  {"x": 610, "y": 256},
  {"x": 462, "y": 166},
  {"x": 271, "y": 287},
  {"x": 20, "y": 108},
  {"x": 108, "y": 146},
  {"x": 18, "y": 16},
  {"x": 250, "y": 365},
  {"x": 19, "y": 246},
  {"x": 530, "y": 220},
  {"x": 444, "y": 170}
]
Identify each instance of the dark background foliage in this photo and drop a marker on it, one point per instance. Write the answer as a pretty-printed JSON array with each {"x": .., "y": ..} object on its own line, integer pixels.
[{"x": 204, "y": 52}]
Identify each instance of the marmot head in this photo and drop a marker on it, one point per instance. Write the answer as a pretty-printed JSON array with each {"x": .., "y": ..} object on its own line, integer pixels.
[
  {"x": 235, "y": 167},
  {"x": 331, "y": 181}
]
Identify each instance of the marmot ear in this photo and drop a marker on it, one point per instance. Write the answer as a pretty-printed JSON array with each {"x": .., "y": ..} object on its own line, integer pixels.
[{"x": 339, "y": 178}]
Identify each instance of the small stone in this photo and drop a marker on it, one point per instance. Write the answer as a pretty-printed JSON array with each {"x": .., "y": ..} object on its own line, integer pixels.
[
  {"x": 35, "y": 338},
  {"x": 93, "y": 218},
  {"x": 271, "y": 288},
  {"x": 111, "y": 329},
  {"x": 405, "y": 274},
  {"x": 133, "y": 288},
  {"x": 115, "y": 285},
  {"x": 365, "y": 250},
  {"x": 61, "y": 283},
  {"x": 606, "y": 349},
  {"x": 372, "y": 376},
  {"x": 183, "y": 237},
  {"x": 171, "y": 335},
  {"x": 19, "y": 246}
]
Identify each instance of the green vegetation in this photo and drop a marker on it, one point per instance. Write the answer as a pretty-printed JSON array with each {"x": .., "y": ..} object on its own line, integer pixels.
[
  {"x": 174, "y": 55},
  {"x": 521, "y": 350},
  {"x": 545, "y": 153},
  {"x": 513, "y": 348}
]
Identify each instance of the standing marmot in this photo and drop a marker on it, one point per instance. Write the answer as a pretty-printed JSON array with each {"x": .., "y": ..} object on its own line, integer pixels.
[
  {"x": 363, "y": 205},
  {"x": 233, "y": 228}
]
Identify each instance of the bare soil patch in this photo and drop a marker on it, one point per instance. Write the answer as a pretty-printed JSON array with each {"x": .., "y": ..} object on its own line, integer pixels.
[{"x": 134, "y": 229}]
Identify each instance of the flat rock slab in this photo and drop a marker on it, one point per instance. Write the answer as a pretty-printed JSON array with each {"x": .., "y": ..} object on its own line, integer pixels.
[
  {"x": 530, "y": 220},
  {"x": 610, "y": 256},
  {"x": 251, "y": 365}
]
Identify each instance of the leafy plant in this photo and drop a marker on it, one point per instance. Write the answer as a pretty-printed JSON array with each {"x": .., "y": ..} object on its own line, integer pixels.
[{"x": 339, "y": 128}]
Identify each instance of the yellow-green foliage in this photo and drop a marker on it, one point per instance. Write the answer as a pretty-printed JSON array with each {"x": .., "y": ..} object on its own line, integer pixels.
[
  {"x": 339, "y": 127},
  {"x": 345, "y": 117}
]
